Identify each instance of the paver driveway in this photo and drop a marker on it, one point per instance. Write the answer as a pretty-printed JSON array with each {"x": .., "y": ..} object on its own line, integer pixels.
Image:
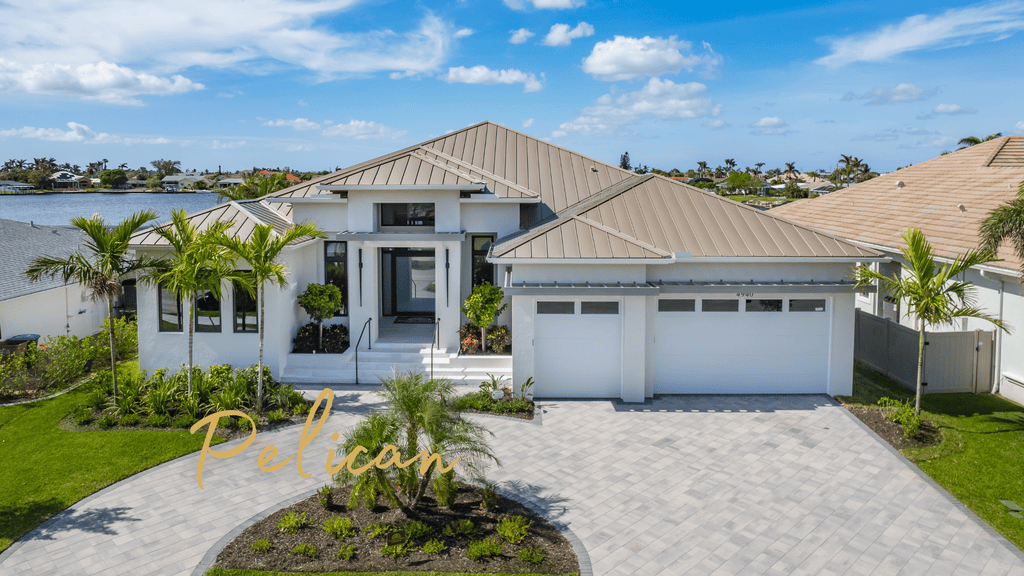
[{"x": 681, "y": 485}]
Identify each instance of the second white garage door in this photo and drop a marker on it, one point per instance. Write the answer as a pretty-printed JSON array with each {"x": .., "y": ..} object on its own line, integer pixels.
[
  {"x": 578, "y": 349},
  {"x": 739, "y": 346}
]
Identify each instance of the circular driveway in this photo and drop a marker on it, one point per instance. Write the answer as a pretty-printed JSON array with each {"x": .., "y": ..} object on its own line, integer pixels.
[{"x": 679, "y": 485}]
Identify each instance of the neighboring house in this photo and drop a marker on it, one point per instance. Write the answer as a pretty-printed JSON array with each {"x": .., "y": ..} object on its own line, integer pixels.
[
  {"x": 947, "y": 198},
  {"x": 176, "y": 182},
  {"x": 63, "y": 179},
  {"x": 46, "y": 307},
  {"x": 229, "y": 182},
  {"x": 621, "y": 285},
  {"x": 133, "y": 184},
  {"x": 12, "y": 186}
]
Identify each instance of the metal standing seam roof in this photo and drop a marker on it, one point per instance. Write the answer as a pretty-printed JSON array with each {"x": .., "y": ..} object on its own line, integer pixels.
[
  {"x": 244, "y": 214},
  {"x": 947, "y": 198}
]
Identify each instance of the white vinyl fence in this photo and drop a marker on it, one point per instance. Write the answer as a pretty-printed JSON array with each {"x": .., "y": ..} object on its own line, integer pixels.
[{"x": 953, "y": 361}]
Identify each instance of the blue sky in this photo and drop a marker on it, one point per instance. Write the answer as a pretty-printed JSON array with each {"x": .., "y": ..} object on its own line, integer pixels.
[{"x": 315, "y": 84}]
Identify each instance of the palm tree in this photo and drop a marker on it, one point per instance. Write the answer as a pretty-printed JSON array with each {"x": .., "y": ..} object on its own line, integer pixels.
[
  {"x": 1006, "y": 223},
  {"x": 790, "y": 169},
  {"x": 195, "y": 264},
  {"x": 123, "y": 166},
  {"x": 702, "y": 168},
  {"x": 973, "y": 140},
  {"x": 933, "y": 296},
  {"x": 261, "y": 252},
  {"x": 255, "y": 186},
  {"x": 757, "y": 168},
  {"x": 730, "y": 164},
  {"x": 101, "y": 267}
]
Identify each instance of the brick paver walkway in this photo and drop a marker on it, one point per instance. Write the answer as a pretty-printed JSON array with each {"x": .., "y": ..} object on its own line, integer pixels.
[{"x": 682, "y": 485}]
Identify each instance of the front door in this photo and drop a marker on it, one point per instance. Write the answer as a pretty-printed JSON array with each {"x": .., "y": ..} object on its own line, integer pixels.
[{"x": 408, "y": 281}]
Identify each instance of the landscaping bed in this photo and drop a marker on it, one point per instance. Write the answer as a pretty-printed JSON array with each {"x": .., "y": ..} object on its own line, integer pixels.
[
  {"x": 891, "y": 432},
  {"x": 414, "y": 529},
  {"x": 499, "y": 341},
  {"x": 482, "y": 403}
]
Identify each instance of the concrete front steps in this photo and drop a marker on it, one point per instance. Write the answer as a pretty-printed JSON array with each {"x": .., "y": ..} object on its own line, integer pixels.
[{"x": 385, "y": 358}]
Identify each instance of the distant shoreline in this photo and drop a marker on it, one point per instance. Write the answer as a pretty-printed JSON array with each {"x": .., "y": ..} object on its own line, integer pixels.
[{"x": 99, "y": 191}]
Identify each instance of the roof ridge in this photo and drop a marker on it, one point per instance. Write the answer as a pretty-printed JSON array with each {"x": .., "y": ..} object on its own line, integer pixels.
[
  {"x": 998, "y": 149},
  {"x": 246, "y": 211},
  {"x": 621, "y": 235},
  {"x": 463, "y": 164}
]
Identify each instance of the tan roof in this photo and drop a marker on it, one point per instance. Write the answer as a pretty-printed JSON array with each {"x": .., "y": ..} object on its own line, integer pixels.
[
  {"x": 980, "y": 178},
  {"x": 655, "y": 217},
  {"x": 244, "y": 214},
  {"x": 511, "y": 164}
]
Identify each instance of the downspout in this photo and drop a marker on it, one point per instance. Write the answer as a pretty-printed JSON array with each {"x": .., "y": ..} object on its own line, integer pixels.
[{"x": 999, "y": 335}]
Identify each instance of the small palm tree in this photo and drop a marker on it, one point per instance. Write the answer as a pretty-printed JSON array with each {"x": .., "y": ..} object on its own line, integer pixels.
[
  {"x": 1006, "y": 223},
  {"x": 375, "y": 433},
  {"x": 255, "y": 186},
  {"x": 102, "y": 267},
  {"x": 196, "y": 263},
  {"x": 261, "y": 252},
  {"x": 933, "y": 294}
]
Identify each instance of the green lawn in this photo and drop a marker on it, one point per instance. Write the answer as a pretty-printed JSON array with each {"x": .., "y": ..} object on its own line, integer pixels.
[
  {"x": 222, "y": 572},
  {"x": 981, "y": 457},
  {"x": 45, "y": 470}
]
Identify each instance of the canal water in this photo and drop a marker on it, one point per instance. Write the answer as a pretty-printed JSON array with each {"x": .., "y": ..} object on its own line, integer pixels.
[{"x": 58, "y": 209}]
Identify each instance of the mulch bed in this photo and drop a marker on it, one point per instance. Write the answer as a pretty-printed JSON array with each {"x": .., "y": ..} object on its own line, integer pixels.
[
  {"x": 891, "y": 432},
  {"x": 528, "y": 415},
  {"x": 559, "y": 555}
]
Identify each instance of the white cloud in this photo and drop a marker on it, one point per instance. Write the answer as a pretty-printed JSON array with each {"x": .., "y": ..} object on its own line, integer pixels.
[
  {"x": 77, "y": 133},
  {"x": 948, "y": 110},
  {"x": 298, "y": 124},
  {"x": 300, "y": 147},
  {"x": 891, "y": 134},
  {"x": 770, "y": 125},
  {"x": 936, "y": 142},
  {"x": 716, "y": 124},
  {"x": 464, "y": 32},
  {"x": 989, "y": 21},
  {"x": 520, "y": 36},
  {"x": 1019, "y": 127},
  {"x": 544, "y": 4},
  {"x": 103, "y": 81},
  {"x": 901, "y": 93},
  {"x": 624, "y": 58},
  {"x": 529, "y": 122},
  {"x": 562, "y": 35},
  {"x": 218, "y": 145},
  {"x": 483, "y": 75},
  {"x": 286, "y": 34},
  {"x": 662, "y": 99},
  {"x": 362, "y": 130}
]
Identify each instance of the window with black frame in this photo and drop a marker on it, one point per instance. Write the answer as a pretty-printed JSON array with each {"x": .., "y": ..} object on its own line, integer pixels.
[
  {"x": 336, "y": 270},
  {"x": 169, "y": 306},
  {"x": 483, "y": 271},
  {"x": 246, "y": 313},
  {"x": 407, "y": 214},
  {"x": 207, "y": 312}
]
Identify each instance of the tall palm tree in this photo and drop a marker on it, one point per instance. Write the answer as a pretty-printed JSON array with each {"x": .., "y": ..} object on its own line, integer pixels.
[
  {"x": 101, "y": 267},
  {"x": 702, "y": 168},
  {"x": 196, "y": 264},
  {"x": 973, "y": 140},
  {"x": 261, "y": 252},
  {"x": 730, "y": 164},
  {"x": 790, "y": 169},
  {"x": 1006, "y": 223},
  {"x": 933, "y": 294},
  {"x": 255, "y": 186},
  {"x": 757, "y": 168}
]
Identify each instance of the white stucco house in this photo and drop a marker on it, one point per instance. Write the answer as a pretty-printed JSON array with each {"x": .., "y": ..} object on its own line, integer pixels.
[
  {"x": 621, "y": 285},
  {"x": 947, "y": 198}
]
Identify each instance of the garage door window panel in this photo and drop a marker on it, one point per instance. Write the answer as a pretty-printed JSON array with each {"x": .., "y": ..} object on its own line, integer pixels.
[
  {"x": 801, "y": 305},
  {"x": 599, "y": 307},
  {"x": 677, "y": 305},
  {"x": 714, "y": 305},
  {"x": 758, "y": 305},
  {"x": 556, "y": 307}
]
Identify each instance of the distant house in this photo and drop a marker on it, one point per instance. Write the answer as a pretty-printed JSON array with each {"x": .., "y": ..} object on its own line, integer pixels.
[
  {"x": 229, "y": 182},
  {"x": 132, "y": 184},
  {"x": 176, "y": 182},
  {"x": 12, "y": 186},
  {"x": 48, "y": 307},
  {"x": 947, "y": 198},
  {"x": 63, "y": 179},
  {"x": 289, "y": 177}
]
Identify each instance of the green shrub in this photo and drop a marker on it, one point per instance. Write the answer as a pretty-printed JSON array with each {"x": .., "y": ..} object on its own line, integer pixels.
[
  {"x": 325, "y": 496},
  {"x": 397, "y": 550},
  {"x": 514, "y": 406},
  {"x": 415, "y": 530},
  {"x": 193, "y": 406},
  {"x": 60, "y": 360},
  {"x": 513, "y": 529},
  {"x": 488, "y": 496},
  {"x": 434, "y": 546},
  {"x": 96, "y": 399},
  {"x": 480, "y": 550},
  {"x": 184, "y": 421},
  {"x": 347, "y": 552},
  {"x": 276, "y": 416},
  {"x": 903, "y": 414},
  {"x": 158, "y": 421},
  {"x": 162, "y": 396},
  {"x": 445, "y": 488},
  {"x": 462, "y": 527},
  {"x": 499, "y": 339},
  {"x": 227, "y": 422},
  {"x": 127, "y": 401},
  {"x": 227, "y": 400},
  {"x": 126, "y": 340},
  {"x": 301, "y": 409},
  {"x": 106, "y": 421},
  {"x": 308, "y": 337},
  {"x": 480, "y": 400},
  {"x": 532, "y": 555},
  {"x": 262, "y": 545},
  {"x": 14, "y": 374},
  {"x": 82, "y": 415},
  {"x": 307, "y": 550},
  {"x": 129, "y": 420},
  {"x": 291, "y": 522},
  {"x": 493, "y": 384},
  {"x": 339, "y": 527},
  {"x": 377, "y": 529}
]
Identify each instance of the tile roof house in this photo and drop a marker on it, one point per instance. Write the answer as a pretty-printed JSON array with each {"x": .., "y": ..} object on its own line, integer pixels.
[
  {"x": 620, "y": 285},
  {"x": 947, "y": 198},
  {"x": 46, "y": 307}
]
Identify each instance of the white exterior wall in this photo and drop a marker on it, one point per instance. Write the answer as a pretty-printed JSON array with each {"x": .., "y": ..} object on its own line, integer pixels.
[
  {"x": 66, "y": 310},
  {"x": 625, "y": 273},
  {"x": 328, "y": 216}
]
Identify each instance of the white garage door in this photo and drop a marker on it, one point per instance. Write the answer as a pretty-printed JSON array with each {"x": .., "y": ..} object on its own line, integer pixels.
[
  {"x": 740, "y": 346},
  {"x": 578, "y": 349}
]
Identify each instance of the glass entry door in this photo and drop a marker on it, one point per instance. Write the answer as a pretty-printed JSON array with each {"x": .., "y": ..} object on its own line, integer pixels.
[{"x": 408, "y": 281}]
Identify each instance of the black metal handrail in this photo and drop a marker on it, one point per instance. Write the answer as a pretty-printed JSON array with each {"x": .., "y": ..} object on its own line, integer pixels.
[
  {"x": 369, "y": 345},
  {"x": 433, "y": 344}
]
